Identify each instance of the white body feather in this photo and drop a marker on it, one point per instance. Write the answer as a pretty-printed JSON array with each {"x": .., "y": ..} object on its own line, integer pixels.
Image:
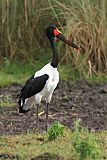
[{"x": 50, "y": 85}]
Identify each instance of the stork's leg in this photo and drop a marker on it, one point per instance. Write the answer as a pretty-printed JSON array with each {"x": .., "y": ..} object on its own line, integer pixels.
[
  {"x": 37, "y": 114},
  {"x": 47, "y": 108}
]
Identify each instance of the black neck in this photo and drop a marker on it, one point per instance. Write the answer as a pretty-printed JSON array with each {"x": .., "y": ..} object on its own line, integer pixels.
[{"x": 54, "y": 62}]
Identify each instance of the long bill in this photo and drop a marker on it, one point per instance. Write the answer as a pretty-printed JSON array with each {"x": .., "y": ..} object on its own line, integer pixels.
[{"x": 67, "y": 41}]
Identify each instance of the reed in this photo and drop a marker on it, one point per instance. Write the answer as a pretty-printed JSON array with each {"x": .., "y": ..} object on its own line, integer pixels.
[
  {"x": 86, "y": 25},
  {"x": 23, "y": 23}
]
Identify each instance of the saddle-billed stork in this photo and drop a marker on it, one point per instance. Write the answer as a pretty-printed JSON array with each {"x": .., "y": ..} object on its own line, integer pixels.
[{"x": 43, "y": 82}]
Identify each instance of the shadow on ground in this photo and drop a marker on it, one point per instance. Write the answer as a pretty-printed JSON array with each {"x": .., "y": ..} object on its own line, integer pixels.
[
  {"x": 47, "y": 156},
  {"x": 9, "y": 157}
]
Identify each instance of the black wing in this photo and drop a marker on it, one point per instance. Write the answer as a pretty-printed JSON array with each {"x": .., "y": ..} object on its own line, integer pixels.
[{"x": 33, "y": 86}]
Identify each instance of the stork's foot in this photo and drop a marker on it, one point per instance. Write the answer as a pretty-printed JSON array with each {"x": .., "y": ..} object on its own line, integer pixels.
[{"x": 23, "y": 111}]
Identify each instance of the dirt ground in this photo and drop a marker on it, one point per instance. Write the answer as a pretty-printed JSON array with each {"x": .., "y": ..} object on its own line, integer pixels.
[{"x": 71, "y": 100}]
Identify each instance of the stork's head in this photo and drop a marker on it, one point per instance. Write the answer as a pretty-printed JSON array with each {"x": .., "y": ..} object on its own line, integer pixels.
[{"x": 52, "y": 31}]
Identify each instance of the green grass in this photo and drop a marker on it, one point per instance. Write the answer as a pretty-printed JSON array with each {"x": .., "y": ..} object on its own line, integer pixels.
[
  {"x": 30, "y": 145},
  {"x": 55, "y": 131},
  {"x": 87, "y": 144},
  {"x": 17, "y": 72}
]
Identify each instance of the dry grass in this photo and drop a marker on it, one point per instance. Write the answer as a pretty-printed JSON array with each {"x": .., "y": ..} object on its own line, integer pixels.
[
  {"x": 86, "y": 25},
  {"x": 23, "y": 23}
]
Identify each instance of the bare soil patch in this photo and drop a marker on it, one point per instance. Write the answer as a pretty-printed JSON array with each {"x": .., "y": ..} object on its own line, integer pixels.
[{"x": 71, "y": 100}]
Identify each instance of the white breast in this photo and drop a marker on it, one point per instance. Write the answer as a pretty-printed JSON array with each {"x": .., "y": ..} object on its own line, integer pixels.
[{"x": 51, "y": 83}]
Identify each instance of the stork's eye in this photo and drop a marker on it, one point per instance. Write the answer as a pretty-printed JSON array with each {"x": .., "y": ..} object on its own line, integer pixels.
[{"x": 56, "y": 32}]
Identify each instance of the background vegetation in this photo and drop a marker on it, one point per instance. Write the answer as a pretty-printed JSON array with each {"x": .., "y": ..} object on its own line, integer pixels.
[{"x": 23, "y": 39}]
